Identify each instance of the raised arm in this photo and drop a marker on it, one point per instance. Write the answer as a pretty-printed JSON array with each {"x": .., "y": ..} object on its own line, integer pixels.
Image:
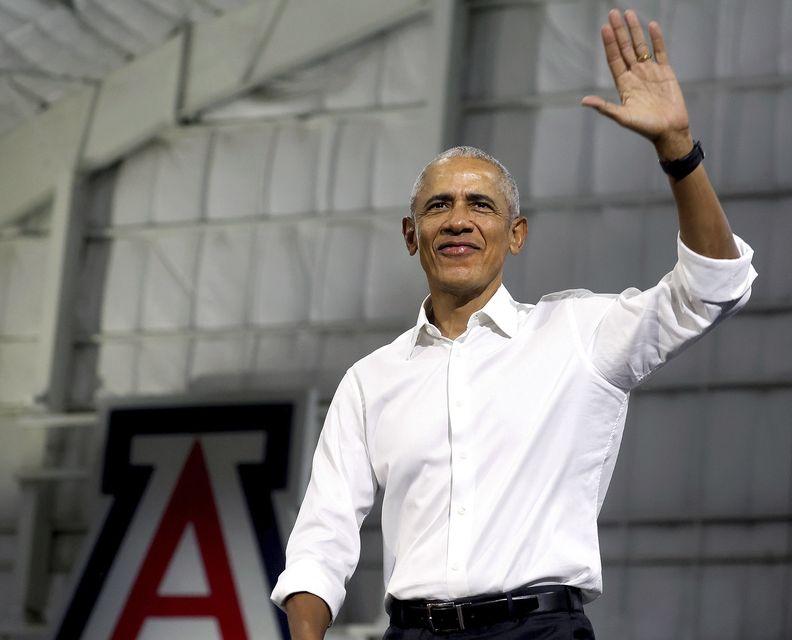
[{"x": 652, "y": 105}]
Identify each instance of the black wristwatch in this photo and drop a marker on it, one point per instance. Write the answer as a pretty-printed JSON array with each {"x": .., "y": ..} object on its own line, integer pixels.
[{"x": 682, "y": 167}]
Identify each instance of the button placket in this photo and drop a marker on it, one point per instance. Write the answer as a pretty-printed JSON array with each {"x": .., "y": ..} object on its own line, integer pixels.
[{"x": 460, "y": 522}]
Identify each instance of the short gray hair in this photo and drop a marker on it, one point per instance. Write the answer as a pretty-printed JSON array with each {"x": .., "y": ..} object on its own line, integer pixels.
[{"x": 508, "y": 185}]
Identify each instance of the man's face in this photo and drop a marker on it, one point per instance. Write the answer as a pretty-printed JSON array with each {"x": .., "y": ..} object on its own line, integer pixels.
[{"x": 462, "y": 230}]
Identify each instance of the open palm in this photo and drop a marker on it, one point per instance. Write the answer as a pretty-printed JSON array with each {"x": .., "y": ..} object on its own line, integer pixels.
[{"x": 651, "y": 99}]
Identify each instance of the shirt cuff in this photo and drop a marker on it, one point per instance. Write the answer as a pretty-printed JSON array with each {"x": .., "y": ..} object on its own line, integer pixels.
[
  {"x": 714, "y": 279},
  {"x": 307, "y": 575}
]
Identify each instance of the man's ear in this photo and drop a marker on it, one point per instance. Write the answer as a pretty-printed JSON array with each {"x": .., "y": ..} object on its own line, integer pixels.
[
  {"x": 518, "y": 234},
  {"x": 408, "y": 231}
]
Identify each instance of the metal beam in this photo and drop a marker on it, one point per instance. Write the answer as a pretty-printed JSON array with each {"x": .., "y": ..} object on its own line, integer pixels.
[
  {"x": 572, "y": 98},
  {"x": 55, "y": 337},
  {"x": 133, "y": 104},
  {"x": 210, "y": 78},
  {"x": 698, "y": 561},
  {"x": 307, "y": 31},
  {"x": 58, "y": 420},
  {"x": 34, "y": 539},
  {"x": 445, "y": 73},
  {"x": 35, "y": 154},
  {"x": 710, "y": 520}
]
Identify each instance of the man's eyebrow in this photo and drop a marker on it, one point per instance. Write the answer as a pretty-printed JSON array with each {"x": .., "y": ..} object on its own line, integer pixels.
[
  {"x": 439, "y": 197},
  {"x": 475, "y": 197}
]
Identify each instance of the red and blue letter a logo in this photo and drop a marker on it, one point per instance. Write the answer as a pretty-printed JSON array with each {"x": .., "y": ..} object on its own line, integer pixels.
[{"x": 189, "y": 547}]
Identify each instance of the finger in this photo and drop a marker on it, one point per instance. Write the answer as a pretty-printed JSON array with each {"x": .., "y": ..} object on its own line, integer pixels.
[
  {"x": 613, "y": 54},
  {"x": 658, "y": 43},
  {"x": 636, "y": 33},
  {"x": 622, "y": 37}
]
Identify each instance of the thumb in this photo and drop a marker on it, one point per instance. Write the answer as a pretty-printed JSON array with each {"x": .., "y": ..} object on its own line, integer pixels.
[{"x": 606, "y": 108}]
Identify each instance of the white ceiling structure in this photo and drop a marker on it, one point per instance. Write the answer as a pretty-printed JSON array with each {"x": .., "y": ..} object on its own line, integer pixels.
[
  {"x": 49, "y": 48},
  {"x": 174, "y": 66}
]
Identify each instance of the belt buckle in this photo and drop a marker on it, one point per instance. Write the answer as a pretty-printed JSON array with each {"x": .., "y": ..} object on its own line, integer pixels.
[{"x": 445, "y": 606}]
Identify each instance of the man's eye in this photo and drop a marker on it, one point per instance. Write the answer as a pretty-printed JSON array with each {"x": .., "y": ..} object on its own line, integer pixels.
[
  {"x": 483, "y": 205},
  {"x": 436, "y": 205}
]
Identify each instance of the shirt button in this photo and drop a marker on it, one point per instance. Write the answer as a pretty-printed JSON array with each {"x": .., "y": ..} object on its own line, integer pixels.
[
  {"x": 462, "y": 455},
  {"x": 461, "y": 511},
  {"x": 459, "y": 403},
  {"x": 454, "y": 567}
]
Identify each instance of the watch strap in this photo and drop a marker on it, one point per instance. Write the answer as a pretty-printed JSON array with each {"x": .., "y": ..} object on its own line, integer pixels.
[{"x": 682, "y": 167}]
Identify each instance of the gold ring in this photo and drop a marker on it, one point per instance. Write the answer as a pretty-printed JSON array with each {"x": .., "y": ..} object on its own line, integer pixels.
[{"x": 644, "y": 57}]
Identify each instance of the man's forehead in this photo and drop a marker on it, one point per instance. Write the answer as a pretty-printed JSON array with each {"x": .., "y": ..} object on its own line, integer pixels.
[
  {"x": 461, "y": 171},
  {"x": 460, "y": 164}
]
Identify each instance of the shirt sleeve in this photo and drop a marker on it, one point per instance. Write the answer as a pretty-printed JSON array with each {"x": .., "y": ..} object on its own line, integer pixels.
[
  {"x": 641, "y": 330},
  {"x": 324, "y": 546}
]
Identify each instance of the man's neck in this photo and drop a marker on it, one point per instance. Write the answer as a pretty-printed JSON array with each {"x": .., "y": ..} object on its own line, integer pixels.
[{"x": 450, "y": 312}]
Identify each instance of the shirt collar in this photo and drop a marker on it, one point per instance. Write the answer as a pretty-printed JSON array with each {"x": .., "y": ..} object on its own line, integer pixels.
[{"x": 500, "y": 309}]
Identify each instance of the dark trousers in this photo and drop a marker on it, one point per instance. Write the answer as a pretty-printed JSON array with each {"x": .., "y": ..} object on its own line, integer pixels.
[{"x": 556, "y": 625}]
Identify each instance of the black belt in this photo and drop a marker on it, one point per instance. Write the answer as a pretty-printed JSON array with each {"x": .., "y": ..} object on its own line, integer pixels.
[{"x": 467, "y": 613}]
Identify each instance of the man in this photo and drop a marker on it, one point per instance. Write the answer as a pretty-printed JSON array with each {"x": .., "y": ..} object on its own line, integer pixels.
[{"x": 493, "y": 426}]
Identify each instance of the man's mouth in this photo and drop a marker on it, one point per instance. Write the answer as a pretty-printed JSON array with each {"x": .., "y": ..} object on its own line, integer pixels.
[{"x": 456, "y": 248}]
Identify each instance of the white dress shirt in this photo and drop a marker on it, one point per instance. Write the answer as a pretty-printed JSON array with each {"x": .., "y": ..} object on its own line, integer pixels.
[{"x": 495, "y": 449}]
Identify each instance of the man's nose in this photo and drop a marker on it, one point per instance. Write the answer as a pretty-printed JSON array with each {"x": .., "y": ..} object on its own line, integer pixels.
[{"x": 458, "y": 219}]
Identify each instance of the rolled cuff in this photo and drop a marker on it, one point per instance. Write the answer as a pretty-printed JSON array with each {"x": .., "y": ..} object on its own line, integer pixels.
[
  {"x": 713, "y": 279},
  {"x": 307, "y": 575}
]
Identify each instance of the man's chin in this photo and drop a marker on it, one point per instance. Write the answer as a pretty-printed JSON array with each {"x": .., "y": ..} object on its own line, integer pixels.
[{"x": 462, "y": 286}]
